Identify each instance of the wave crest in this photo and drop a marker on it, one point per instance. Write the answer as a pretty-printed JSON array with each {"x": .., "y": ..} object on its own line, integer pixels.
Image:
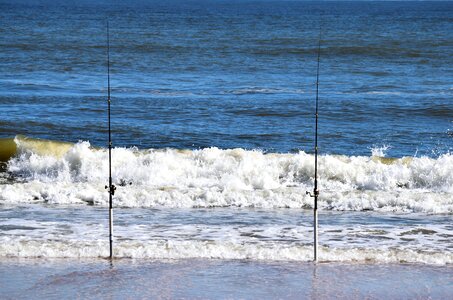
[{"x": 234, "y": 177}]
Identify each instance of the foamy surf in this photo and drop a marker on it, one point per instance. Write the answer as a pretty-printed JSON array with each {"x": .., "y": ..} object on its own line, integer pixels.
[
  {"x": 213, "y": 250},
  {"x": 224, "y": 233},
  {"x": 63, "y": 173}
]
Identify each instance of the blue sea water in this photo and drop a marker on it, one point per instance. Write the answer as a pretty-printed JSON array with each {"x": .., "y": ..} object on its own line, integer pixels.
[
  {"x": 231, "y": 74},
  {"x": 213, "y": 129}
]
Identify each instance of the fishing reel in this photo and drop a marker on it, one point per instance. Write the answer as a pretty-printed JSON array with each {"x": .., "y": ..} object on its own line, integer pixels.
[
  {"x": 315, "y": 193},
  {"x": 111, "y": 190}
]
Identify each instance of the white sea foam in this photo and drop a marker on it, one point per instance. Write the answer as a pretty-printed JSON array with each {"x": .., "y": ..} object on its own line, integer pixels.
[
  {"x": 268, "y": 235},
  {"x": 214, "y": 250},
  {"x": 213, "y": 177}
]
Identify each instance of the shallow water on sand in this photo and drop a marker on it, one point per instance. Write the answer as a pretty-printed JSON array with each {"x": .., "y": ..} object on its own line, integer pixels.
[
  {"x": 214, "y": 279},
  {"x": 225, "y": 233}
]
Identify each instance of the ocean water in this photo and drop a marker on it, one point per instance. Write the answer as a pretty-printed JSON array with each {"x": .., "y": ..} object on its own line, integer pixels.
[
  {"x": 214, "y": 279},
  {"x": 213, "y": 128}
]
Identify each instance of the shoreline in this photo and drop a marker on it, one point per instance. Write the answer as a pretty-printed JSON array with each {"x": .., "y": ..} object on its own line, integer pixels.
[{"x": 200, "y": 278}]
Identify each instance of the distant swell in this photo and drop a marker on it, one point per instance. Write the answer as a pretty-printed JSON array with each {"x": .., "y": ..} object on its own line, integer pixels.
[{"x": 380, "y": 51}]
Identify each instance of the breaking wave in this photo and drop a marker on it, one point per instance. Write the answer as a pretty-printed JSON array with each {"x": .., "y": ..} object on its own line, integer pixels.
[{"x": 64, "y": 173}]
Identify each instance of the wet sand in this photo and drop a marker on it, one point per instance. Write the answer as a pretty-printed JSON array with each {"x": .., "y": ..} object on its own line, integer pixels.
[{"x": 219, "y": 279}]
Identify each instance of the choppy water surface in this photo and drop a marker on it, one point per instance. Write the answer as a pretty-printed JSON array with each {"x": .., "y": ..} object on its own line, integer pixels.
[
  {"x": 232, "y": 74},
  {"x": 212, "y": 110}
]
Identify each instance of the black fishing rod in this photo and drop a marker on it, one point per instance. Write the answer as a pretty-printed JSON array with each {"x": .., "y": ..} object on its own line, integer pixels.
[
  {"x": 315, "y": 188},
  {"x": 111, "y": 187}
]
